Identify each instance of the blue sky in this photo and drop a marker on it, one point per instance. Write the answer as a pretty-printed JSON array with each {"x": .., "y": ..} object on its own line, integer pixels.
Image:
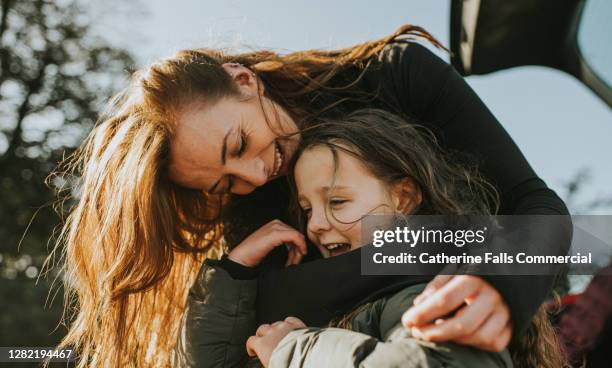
[{"x": 560, "y": 125}]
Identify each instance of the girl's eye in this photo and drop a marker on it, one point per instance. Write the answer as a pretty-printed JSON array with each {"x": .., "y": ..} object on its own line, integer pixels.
[
  {"x": 307, "y": 212},
  {"x": 337, "y": 202}
]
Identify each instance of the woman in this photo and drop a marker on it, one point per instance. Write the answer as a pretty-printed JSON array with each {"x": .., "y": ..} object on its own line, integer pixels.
[{"x": 191, "y": 129}]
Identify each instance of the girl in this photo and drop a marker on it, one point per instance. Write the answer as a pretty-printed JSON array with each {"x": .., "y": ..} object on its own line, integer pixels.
[
  {"x": 185, "y": 161},
  {"x": 370, "y": 163}
]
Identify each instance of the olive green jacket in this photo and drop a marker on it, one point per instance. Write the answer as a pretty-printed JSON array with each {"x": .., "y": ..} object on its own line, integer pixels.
[{"x": 223, "y": 317}]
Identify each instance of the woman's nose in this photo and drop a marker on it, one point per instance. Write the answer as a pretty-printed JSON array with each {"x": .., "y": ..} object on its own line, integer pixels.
[{"x": 249, "y": 176}]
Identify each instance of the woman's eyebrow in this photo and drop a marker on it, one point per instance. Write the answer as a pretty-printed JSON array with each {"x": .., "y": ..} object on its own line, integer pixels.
[
  {"x": 224, "y": 146},
  {"x": 223, "y": 159}
]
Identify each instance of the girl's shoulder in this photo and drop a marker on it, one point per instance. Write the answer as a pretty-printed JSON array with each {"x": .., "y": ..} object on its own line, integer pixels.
[
  {"x": 383, "y": 314},
  {"x": 396, "y": 304}
]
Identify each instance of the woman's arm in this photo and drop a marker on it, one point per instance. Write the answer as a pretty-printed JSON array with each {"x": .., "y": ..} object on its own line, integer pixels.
[{"x": 422, "y": 86}]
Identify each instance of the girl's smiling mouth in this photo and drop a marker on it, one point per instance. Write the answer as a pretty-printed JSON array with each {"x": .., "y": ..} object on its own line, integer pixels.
[{"x": 335, "y": 249}]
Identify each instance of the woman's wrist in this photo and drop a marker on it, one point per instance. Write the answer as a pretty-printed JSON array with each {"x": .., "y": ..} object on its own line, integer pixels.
[{"x": 235, "y": 269}]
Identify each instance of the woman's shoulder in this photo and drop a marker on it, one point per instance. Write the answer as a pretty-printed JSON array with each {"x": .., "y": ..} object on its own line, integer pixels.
[
  {"x": 409, "y": 54},
  {"x": 398, "y": 50},
  {"x": 409, "y": 77}
]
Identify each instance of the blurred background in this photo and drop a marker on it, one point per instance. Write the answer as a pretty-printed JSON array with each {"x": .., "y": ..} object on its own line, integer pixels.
[{"x": 61, "y": 60}]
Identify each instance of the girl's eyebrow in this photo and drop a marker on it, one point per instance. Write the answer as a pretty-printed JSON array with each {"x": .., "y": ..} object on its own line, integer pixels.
[
  {"x": 323, "y": 189},
  {"x": 328, "y": 188}
]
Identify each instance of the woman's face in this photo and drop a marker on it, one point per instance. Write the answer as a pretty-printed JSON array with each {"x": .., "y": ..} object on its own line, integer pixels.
[
  {"x": 333, "y": 213},
  {"x": 228, "y": 146}
]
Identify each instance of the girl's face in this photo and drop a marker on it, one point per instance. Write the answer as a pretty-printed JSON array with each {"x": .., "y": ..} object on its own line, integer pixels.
[
  {"x": 228, "y": 146},
  {"x": 334, "y": 200}
]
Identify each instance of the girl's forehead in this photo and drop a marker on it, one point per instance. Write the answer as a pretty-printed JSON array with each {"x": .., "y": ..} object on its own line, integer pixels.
[{"x": 318, "y": 165}]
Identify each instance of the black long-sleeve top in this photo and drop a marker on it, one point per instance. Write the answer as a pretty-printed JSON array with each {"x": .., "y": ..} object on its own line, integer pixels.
[{"x": 409, "y": 80}]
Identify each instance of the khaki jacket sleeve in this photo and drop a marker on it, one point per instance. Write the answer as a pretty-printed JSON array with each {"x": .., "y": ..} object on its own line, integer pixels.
[
  {"x": 219, "y": 317},
  {"x": 386, "y": 343},
  {"x": 333, "y": 347}
]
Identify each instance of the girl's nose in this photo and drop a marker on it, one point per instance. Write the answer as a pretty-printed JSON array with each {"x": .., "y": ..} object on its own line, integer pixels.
[{"x": 318, "y": 222}]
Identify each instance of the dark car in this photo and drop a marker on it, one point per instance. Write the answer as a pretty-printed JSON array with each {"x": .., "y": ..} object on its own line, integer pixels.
[{"x": 574, "y": 36}]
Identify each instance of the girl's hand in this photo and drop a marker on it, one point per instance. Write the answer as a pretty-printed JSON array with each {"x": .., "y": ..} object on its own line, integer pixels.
[
  {"x": 268, "y": 336},
  {"x": 256, "y": 246},
  {"x": 483, "y": 322}
]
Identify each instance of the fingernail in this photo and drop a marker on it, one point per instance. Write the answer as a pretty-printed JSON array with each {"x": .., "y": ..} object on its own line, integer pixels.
[
  {"x": 407, "y": 320},
  {"x": 416, "y": 333}
]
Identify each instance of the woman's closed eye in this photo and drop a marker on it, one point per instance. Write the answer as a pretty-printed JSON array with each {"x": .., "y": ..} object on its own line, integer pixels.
[{"x": 242, "y": 145}]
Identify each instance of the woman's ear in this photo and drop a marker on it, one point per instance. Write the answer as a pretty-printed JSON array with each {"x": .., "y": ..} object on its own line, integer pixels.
[
  {"x": 244, "y": 78},
  {"x": 406, "y": 196}
]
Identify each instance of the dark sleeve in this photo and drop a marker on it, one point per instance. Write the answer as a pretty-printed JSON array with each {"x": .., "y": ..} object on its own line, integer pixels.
[
  {"x": 426, "y": 88},
  {"x": 236, "y": 270}
]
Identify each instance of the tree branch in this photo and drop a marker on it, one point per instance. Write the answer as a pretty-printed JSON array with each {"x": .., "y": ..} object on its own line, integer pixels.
[
  {"x": 33, "y": 86},
  {"x": 5, "y": 6}
]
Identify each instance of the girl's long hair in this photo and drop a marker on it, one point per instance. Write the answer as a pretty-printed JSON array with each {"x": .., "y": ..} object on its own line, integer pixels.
[
  {"x": 392, "y": 150},
  {"x": 132, "y": 242}
]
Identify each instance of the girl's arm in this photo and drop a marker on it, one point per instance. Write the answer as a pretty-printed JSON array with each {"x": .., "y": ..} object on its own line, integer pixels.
[
  {"x": 220, "y": 309},
  {"x": 422, "y": 86},
  {"x": 378, "y": 340},
  {"x": 334, "y": 347},
  {"x": 219, "y": 317}
]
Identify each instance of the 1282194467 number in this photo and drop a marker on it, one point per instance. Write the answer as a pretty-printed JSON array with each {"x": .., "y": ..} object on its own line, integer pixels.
[{"x": 35, "y": 354}]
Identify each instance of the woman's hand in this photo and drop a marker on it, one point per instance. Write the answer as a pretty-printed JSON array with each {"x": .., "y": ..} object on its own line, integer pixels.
[
  {"x": 256, "y": 246},
  {"x": 268, "y": 336},
  {"x": 482, "y": 320}
]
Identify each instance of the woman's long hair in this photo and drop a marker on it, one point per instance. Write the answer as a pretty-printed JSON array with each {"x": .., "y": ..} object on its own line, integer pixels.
[
  {"x": 392, "y": 150},
  {"x": 133, "y": 241}
]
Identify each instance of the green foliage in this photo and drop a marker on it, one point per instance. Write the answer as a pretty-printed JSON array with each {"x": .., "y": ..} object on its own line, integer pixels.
[{"x": 55, "y": 76}]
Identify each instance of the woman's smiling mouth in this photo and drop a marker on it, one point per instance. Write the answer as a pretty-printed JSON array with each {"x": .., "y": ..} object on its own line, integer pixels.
[{"x": 279, "y": 159}]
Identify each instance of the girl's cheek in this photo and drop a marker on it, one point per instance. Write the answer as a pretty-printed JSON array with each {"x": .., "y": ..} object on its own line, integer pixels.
[
  {"x": 355, "y": 235},
  {"x": 311, "y": 237}
]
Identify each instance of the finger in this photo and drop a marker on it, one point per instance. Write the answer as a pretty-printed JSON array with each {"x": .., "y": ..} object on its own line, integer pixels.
[
  {"x": 262, "y": 330},
  {"x": 295, "y": 322},
  {"x": 295, "y": 238},
  {"x": 277, "y": 323},
  {"x": 432, "y": 286},
  {"x": 252, "y": 345},
  {"x": 467, "y": 320},
  {"x": 443, "y": 301},
  {"x": 296, "y": 256},
  {"x": 290, "y": 256},
  {"x": 494, "y": 335},
  {"x": 503, "y": 340}
]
